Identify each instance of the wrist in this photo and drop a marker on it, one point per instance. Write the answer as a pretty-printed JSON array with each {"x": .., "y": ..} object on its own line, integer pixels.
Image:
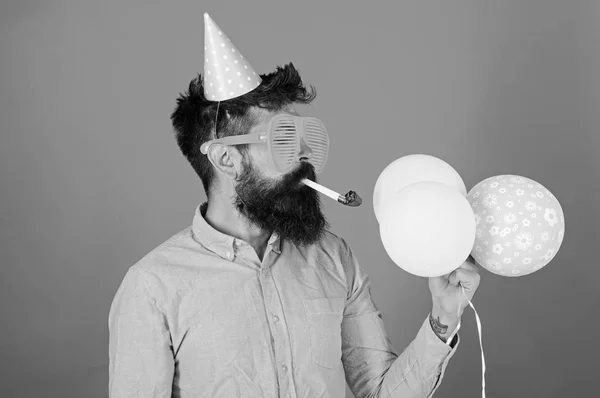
[{"x": 444, "y": 325}]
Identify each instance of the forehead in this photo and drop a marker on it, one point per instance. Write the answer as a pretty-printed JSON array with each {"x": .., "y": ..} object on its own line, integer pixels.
[{"x": 263, "y": 116}]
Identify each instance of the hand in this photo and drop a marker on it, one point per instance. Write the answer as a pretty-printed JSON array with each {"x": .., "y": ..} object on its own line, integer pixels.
[
  {"x": 446, "y": 292},
  {"x": 448, "y": 298}
]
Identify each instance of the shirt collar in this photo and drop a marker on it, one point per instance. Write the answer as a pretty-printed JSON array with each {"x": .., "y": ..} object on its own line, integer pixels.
[{"x": 222, "y": 244}]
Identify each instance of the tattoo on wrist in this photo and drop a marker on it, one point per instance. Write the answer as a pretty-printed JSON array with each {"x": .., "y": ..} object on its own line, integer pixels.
[{"x": 438, "y": 327}]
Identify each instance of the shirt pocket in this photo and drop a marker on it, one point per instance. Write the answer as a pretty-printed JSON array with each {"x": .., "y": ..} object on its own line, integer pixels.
[{"x": 325, "y": 316}]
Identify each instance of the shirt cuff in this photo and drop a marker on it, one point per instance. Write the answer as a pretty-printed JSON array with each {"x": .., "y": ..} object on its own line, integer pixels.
[{"x": 430, "y": 350}]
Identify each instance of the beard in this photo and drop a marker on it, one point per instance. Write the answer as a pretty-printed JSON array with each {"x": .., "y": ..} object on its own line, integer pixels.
[{"x": 287, "y": 207}]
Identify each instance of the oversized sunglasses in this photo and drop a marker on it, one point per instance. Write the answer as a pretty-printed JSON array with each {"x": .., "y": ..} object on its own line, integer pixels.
[{"x": 283, "y": 137}]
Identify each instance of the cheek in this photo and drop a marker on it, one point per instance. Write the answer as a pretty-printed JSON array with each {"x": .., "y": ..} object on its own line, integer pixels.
[{"x": 263, "y": 163}]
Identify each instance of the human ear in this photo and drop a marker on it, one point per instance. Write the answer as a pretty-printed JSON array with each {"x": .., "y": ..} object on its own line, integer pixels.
[{"x": 224, "y": 159}]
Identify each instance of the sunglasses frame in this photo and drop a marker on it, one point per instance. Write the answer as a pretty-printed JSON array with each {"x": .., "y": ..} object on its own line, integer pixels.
[{"x": 261, "y": 137}]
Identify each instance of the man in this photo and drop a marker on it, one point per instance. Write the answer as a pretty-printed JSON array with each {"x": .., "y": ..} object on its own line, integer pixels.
[{"x": 257, "y": 298}]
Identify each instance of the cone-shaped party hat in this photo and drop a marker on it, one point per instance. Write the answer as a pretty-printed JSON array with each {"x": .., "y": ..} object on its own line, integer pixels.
[{"x": 227, "y": 74}]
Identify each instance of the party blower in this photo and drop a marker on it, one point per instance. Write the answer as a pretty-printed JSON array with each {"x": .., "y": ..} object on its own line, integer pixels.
[{"x": 349, "y": 199}]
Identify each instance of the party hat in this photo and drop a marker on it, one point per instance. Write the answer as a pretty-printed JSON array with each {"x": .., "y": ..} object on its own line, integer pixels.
[{"x": 227, "y": 74}]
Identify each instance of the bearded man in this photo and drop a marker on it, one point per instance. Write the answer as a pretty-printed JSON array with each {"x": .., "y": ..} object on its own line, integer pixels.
[{"x": 257, "y": 298}]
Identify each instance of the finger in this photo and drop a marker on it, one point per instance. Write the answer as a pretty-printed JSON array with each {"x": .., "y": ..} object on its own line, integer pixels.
[
  {"x": 465, "y": 266},
  {"x": 467, "y": 279}
]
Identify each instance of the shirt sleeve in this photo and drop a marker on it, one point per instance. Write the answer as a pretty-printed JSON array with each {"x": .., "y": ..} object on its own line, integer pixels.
[
  {"x": 141, "y": 360},
  {"x": 372, "y": 367}
]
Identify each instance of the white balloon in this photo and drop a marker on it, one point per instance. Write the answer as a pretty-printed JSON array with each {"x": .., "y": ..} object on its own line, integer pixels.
[
  {"x": 428, "y": 229},
  {"x": 408, "y": 170}
]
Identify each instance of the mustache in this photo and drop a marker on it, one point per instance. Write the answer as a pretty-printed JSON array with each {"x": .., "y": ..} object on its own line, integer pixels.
[
  {"x": 304, "y": 170},
  {"x": 290, "y": 183}
]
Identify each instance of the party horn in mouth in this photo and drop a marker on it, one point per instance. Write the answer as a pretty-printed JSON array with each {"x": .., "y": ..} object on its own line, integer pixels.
[{"x": 350, "y": 199}]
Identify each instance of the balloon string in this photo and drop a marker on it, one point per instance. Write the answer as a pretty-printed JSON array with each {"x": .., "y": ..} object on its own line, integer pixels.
[{"x": 480, "y": 343}]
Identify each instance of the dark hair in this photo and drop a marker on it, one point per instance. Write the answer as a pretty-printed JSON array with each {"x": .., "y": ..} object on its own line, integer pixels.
[{"x": 194, "y": 116}]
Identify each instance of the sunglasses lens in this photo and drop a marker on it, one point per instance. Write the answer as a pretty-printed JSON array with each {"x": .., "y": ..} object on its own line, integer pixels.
[
  {"x": 284, "y": 141},
  {"x": 317, "y": 140}
]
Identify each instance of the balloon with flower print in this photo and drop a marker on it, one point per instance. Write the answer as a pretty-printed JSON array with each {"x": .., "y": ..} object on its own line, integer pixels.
[{"x": 520, "y": 225}]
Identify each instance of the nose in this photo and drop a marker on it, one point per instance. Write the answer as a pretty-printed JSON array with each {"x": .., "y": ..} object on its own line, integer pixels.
[{"x": 305, "y": 151}]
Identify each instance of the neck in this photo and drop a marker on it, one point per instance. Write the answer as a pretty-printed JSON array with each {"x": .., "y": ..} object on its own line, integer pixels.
[{"x": 225, "y": 218}]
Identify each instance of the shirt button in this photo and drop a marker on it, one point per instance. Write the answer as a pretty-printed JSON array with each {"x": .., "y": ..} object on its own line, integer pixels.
[
  {"x": 275, "y": 318},
  {"x": 284, "y": 368}
]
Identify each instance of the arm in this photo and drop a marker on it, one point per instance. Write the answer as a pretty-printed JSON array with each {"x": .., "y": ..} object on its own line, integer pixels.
[
  {"x": 372, "y": 367},
  {"x": 140, "y": 354}
]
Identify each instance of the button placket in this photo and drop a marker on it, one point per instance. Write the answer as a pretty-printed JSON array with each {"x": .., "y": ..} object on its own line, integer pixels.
[
  {"x": 268, "y": 292},
  {"x": 279, "y": 332}
]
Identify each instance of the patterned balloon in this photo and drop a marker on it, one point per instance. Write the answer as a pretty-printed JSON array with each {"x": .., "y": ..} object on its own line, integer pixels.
[{"x": 520, "y": 225}]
